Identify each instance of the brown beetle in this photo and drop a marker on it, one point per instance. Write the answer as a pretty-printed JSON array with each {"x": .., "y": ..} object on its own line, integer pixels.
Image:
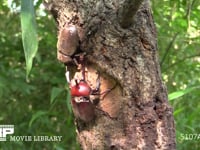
[{"x": 67, "y": 44}]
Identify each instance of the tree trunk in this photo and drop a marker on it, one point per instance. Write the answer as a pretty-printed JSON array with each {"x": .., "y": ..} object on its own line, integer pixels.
[{"x": 119, "y": 39}]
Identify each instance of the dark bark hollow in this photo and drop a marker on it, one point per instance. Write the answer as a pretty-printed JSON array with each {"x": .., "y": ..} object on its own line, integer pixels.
[{"x": 138, "y": 115}]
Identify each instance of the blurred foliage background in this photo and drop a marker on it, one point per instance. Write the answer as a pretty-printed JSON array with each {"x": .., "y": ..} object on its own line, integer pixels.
[
  {"x": 178, "y": 26},
  {"x": 38, "y": 106}
]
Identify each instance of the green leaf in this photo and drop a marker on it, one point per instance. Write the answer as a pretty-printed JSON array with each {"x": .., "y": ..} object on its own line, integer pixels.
[
  {"x": 36, "y": 116},
  {"x": 176, "y": 112},
  {"x": 29, "y": 33},
  {"x": 180, "y": 93},
  {"x": 54, "y": 93}
]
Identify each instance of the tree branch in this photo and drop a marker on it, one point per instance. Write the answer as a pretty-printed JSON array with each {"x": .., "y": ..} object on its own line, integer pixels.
[
  {"x": 188, "y": 14},
  {"x": 127, "y": 12}
]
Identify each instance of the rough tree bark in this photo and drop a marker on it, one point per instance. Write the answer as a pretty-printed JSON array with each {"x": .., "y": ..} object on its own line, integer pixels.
[{"x": 119, "y": 38}]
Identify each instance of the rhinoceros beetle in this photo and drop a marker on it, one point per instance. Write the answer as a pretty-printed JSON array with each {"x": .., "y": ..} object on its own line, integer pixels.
[{"x": 81, "y": 93}]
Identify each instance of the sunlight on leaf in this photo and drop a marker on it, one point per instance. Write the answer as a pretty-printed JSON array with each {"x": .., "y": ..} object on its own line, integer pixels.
[
  {"x": 176, "y": 112},
  {"x": 29, "y": 33},
  {"x": 180, "y": 93}
]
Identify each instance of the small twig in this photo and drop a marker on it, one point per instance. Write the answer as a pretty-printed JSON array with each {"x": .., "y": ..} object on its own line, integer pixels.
[
  {"x": 168, "y": 48},
  {"x": 127, "y": 12},
  {"x": 180, "y": 61},
  {"x": 188, "y": 14}
]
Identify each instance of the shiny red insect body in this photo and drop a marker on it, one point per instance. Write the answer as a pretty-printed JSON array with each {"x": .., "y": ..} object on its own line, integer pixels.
[
  {"x": 81, "y": 89},
  {"x": 81, "y": 92},
  {"x": 82, "y": 106}
]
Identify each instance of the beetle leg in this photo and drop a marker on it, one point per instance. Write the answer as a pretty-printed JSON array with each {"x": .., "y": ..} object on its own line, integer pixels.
[
  {"x": 75, "y": 61},
  {"x": 104, "y": 113},
  {"x": 81, "y": 59},
  {"x": 97, "y": 89},
  {"x": 104, "y": 93}
]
